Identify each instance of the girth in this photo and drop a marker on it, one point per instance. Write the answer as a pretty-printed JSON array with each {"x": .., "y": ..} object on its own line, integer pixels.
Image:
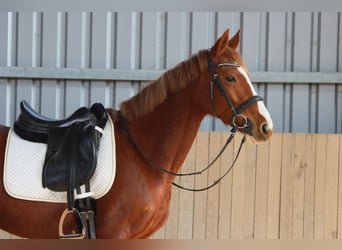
[{"x": 71, "y": 156}]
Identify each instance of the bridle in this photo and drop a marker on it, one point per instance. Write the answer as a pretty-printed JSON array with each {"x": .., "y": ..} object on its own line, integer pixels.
[
  {"x": 235, "y": 110},
  {"x": 236, "y": 125}
]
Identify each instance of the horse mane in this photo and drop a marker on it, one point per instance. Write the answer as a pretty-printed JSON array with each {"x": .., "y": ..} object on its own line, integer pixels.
[{"x": 170, "y": 81}]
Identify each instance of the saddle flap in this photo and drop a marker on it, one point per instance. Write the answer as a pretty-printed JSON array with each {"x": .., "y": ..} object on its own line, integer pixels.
[{"x": 71, "y": 156}]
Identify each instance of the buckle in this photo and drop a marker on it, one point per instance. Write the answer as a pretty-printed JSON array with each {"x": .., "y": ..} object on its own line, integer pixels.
[{"x": 77, "y": 236}]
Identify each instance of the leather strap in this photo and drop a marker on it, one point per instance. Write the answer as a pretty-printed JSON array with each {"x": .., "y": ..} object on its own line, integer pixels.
[{"x": 243, "y": 106}]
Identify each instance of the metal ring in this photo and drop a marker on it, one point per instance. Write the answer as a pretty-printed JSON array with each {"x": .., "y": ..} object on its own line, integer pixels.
[{"x": 244, "y": 119}]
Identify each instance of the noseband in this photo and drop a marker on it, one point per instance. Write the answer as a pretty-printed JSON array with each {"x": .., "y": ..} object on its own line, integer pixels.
[{"x": 235, "y": 110}]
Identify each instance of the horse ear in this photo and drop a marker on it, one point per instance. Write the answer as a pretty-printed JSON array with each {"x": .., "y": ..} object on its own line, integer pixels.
[
  {"x": 221, "y": 44},
  {"x": 234, "y": 42}
]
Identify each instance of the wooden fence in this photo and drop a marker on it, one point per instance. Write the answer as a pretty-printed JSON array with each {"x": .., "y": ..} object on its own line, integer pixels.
[{"x": 287, "y": 188}]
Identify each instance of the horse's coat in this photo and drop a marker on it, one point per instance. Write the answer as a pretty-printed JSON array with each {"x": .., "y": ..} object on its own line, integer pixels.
[{"x": 163, "y": 119}]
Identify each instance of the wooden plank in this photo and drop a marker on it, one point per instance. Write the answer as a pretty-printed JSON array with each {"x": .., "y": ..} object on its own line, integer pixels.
[
  {"x": 326, "y": 120},
  {"x": 51, "y": 38},
  {"x": 225, "y": 208},
  {"x": 276, "y": 42},
  {"x": 302, "y": 40},
  {"x": 261, "y": 190},
  {"x": 24, "y": 39},
  {"x": 328, "y": 41},
  {"x": 27, "y": 89},
  {"x": 75, "y": 90},
  {"x": 338, "y": 91},
  {"x": 147, "y": 51},
  {"x": 320, "y": 181},
  {"x": 3, "y": 96},
  {"x": 186, "y": 198},
  {"x": 253, "y": 37},
  {"x": 328, "y": 63},
  {"x": 309, "y": 196},
  {"x": 274, "y": 186},
  {"x": 237, "y": 214},
  {"x": 76, "y": 95},
  {"x": 287, "y": 179},
  {"x": 274, "y": 61},
  {"x": 300, "y": 112},
  {"x": 202, "y": 31},
  {"x": 73, "y": 42},
  {"x": 124, "y": 54},
  {"x": 298, "y": 187},
  {"x": 4, "y": 29},
  {"x": 249, "y": 182},
  {"x": 213, "y": 193},
  {"x": 177, "y": 49},
  {"x": 301, "y": 62},
  {"x": 202, "y": 37},
  {"x": 331, "y": 189},
  {"x": 3, "y": 38},
  {"x": 200, "y": 199},
  {"x": 74, "y": 73},
  {"x": 243, "y": 192},
  {"x": 228, "y": 20},
  {"x": 99, "y": 90},
  {"x": 339, "y": 221}
]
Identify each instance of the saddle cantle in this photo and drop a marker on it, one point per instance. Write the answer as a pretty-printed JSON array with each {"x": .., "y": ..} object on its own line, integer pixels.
[{"x": 72, "y": 145}]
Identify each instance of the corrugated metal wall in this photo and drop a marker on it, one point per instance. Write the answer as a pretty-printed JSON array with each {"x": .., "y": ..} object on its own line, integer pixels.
[{"x": 280, "y": 42}]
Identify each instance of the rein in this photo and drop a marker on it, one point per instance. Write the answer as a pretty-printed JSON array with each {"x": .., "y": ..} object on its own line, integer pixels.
[
  {"x": 229, "y": 140},
  {"x": 235, "y": 126}
]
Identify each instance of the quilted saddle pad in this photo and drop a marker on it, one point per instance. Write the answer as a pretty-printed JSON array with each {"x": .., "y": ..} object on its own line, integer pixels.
[{"x": 24, "y": 161}]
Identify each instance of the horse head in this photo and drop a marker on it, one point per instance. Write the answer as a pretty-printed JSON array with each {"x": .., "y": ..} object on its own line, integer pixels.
[{"x": 233, "y": 98}]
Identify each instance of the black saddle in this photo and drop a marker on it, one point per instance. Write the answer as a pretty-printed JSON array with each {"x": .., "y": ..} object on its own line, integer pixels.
[
  {"x": 34, "y": 127},
  {"x": 72, "y": 147},
  {"x": 72, "y": 143}
]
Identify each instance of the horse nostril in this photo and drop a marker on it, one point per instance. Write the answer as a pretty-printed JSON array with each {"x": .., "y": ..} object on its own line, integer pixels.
[{"x": 265, "y": 129}]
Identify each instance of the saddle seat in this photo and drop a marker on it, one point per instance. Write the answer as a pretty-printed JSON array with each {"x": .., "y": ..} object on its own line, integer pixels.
[{"x": 34, "y": 127}]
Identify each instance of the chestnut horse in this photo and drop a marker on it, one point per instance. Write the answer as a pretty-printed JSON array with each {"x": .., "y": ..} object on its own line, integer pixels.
[{"x": 163, "y": 120}]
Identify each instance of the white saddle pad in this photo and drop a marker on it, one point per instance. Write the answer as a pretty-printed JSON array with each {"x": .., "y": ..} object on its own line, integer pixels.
[{"x": 24, "y": 161}]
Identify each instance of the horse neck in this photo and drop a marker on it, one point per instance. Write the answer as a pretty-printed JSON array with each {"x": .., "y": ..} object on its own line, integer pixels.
[{"x": 166, "y": 135}]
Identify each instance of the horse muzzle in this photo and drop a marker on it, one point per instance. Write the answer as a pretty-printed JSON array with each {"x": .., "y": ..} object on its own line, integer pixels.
[{"x": 259, "y": 133}]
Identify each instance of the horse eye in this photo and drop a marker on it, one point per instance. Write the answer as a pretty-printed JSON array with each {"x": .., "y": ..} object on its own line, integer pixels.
[{"x": 230, "y": 78}]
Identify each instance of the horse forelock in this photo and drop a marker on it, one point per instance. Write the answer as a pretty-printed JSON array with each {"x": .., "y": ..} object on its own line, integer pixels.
[{"x": 171, "y": 81}]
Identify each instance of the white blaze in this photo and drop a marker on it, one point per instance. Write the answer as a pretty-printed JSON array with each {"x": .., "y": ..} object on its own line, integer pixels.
[{"x": 261, "y": 106}]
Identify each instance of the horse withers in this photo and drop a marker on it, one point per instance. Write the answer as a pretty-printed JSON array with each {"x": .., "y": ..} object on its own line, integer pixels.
[{"x": 162, "y": 120}]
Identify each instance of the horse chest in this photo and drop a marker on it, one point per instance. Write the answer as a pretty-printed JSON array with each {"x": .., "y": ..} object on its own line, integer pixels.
[{"x": 134, "y": 218}]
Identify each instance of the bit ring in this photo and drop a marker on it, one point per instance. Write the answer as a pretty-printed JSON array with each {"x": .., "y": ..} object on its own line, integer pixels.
[{"x": 244, "y": 121}]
